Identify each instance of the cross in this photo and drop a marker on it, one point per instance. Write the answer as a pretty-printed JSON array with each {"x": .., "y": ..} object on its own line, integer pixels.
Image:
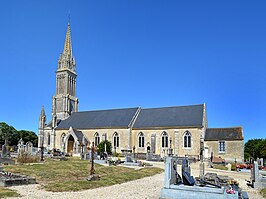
[{"x": 92, "y": 171}]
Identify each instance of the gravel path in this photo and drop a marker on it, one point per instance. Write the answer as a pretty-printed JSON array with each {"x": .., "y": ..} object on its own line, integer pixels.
[{"x": 144, "y": 188}]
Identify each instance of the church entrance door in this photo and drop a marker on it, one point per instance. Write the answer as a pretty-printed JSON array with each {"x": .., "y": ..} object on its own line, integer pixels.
[{"x": 70, "y": 144}]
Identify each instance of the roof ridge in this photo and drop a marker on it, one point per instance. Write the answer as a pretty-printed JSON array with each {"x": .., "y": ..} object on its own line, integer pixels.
[
  {"x": 174, "y": 106},
  {"x": 226, "y": 127},
  {"x": 106, "y": 110}
]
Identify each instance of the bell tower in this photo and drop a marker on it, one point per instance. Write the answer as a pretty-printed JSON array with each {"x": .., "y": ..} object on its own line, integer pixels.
[{"x": 65, "y": 101}]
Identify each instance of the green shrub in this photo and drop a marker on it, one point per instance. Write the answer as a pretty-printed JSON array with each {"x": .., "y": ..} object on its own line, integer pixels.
[{"x": 101, "y": 147}]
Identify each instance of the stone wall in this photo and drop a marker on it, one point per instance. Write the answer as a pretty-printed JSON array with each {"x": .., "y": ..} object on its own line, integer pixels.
[
  {"x": 129, "y": 137},
  {"x": 89, "y": 134},
  {"x": 234, "y": 150},
  {"x": 177, "y": 137}
]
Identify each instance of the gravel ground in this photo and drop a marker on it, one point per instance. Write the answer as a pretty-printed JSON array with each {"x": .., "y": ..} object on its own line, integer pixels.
[{"x": 144, "y": 188}]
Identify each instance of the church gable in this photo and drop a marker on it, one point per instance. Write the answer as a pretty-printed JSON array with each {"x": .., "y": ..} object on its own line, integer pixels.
[
  {"x": 178, "y": 116},
  {"x": 114, "y": 118}
]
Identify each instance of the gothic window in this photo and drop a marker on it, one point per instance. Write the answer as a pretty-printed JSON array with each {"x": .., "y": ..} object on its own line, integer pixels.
[
  {"x": 48, "y": 139},
  {"x": 187, "y": 139},
  {"x": 141, "y": 139},
  {"x": 221, "y": 146},
  {"x": 164, "y": 140},
  {"x": 96, "y": 139},
  {"x": 116, "y": 140}
]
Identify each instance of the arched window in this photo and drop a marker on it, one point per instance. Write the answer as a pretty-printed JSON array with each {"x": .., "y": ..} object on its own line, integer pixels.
[
  {"x": 48, "y": 139},
  {"x": 116, "y": 140},
  {"x": 96, "y": 139},
  {"x": 141, "y": 139},
  {"x": 164, "y": 140},
  {"x": 187, "y": 139}
]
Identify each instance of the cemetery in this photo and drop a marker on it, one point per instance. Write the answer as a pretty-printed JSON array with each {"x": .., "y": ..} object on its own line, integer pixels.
[{"x": 59, "y": 172}]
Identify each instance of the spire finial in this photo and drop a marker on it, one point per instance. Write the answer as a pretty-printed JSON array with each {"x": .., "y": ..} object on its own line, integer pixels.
[{"x": 69, "y": 17}]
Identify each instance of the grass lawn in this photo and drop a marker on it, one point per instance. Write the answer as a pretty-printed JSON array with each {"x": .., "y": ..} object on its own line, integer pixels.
[
  {"x": 221, "y": 167},
  {"x": 57, "y": 176},
  {"x": 263, "y": 192},
  {"x": 4, "y": 193}
]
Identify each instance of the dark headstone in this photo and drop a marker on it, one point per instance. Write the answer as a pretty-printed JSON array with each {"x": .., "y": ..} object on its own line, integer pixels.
[{"x": 187, "y": 178}]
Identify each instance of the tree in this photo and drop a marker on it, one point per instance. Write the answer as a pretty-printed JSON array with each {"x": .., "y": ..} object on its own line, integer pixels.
[
  {"x": 101, "y": 147},
  {"x": 255, "y": 148},
  {"x": 29, "y": 136},
  {"x": 7, "y": 134},
  {"x": 10, "y": 136}
]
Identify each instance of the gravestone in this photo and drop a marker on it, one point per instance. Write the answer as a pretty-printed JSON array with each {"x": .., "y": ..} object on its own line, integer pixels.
[
  {"x": 261, "y": 162},
  {"x": 229, "y": 166},
  {"x": 128, "y": 159},
  {"x": 21, "y": 148},
  {"x": 187, "y": 178},
  {"x": 5, "y": 156},
  {"x": 28, "y": 148},
  {"x": 256, "y": 171},
  {"x": 5, "y": 151},
  {"x": 176, "y": 191},
  {"x": 25, "y": 148},
  {"x": 257, "y": 182}
]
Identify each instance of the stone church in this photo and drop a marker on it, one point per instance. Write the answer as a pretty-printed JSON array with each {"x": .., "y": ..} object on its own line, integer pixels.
[{"x": 144, "y": 130}]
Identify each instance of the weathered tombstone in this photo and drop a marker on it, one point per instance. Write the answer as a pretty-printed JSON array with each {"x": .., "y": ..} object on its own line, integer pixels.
[
  {"x": 187, "y": 178},
  {"x": 202, "y": 169},
  {"x": 261, "y": 161},
  {"x": 21, "y": 147},
  {"x": 229, "y": 166},
  {"x": 170, "y": 171},
  {"x": 256, "y": 171},
  {"x": 257, "y": 181},
  {"x": 5, "y": 151},
  {"x": 185, "y": 165},
  {"x": 128, "y": 159},
  {"x": 174, "y": 190},
  {"x": 29, "y": 147}
]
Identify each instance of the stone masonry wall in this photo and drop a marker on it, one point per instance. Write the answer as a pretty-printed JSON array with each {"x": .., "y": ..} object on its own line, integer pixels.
[{"x": 234, "y": 150}]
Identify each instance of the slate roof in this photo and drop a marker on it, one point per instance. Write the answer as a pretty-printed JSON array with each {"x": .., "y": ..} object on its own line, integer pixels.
[
  {"x": 79, "y": 135},
  {"x": 177, "y": 116},
  {"x": 113, "y": 118},
  {"x": 215, "y": 134}
]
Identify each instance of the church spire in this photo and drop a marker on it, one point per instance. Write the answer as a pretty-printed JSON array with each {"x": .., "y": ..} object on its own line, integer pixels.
[
  {"x": 68, "y": 45},
  {"x": 65, "y": 101},
  {"x": 66, "y": 59}
]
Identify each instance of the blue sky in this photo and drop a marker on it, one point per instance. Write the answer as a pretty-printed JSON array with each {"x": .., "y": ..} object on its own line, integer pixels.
[{"x": 144, "y": 53}]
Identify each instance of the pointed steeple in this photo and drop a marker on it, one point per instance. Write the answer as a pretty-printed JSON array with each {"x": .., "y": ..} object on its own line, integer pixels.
[
  {"x": 66, "y": 59},
  {"x": 42, "y": 113},
  {"x": 42, "y": 118},
  {"x": 65, "y": 101},
  {"x": 68, "y": 45}
]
